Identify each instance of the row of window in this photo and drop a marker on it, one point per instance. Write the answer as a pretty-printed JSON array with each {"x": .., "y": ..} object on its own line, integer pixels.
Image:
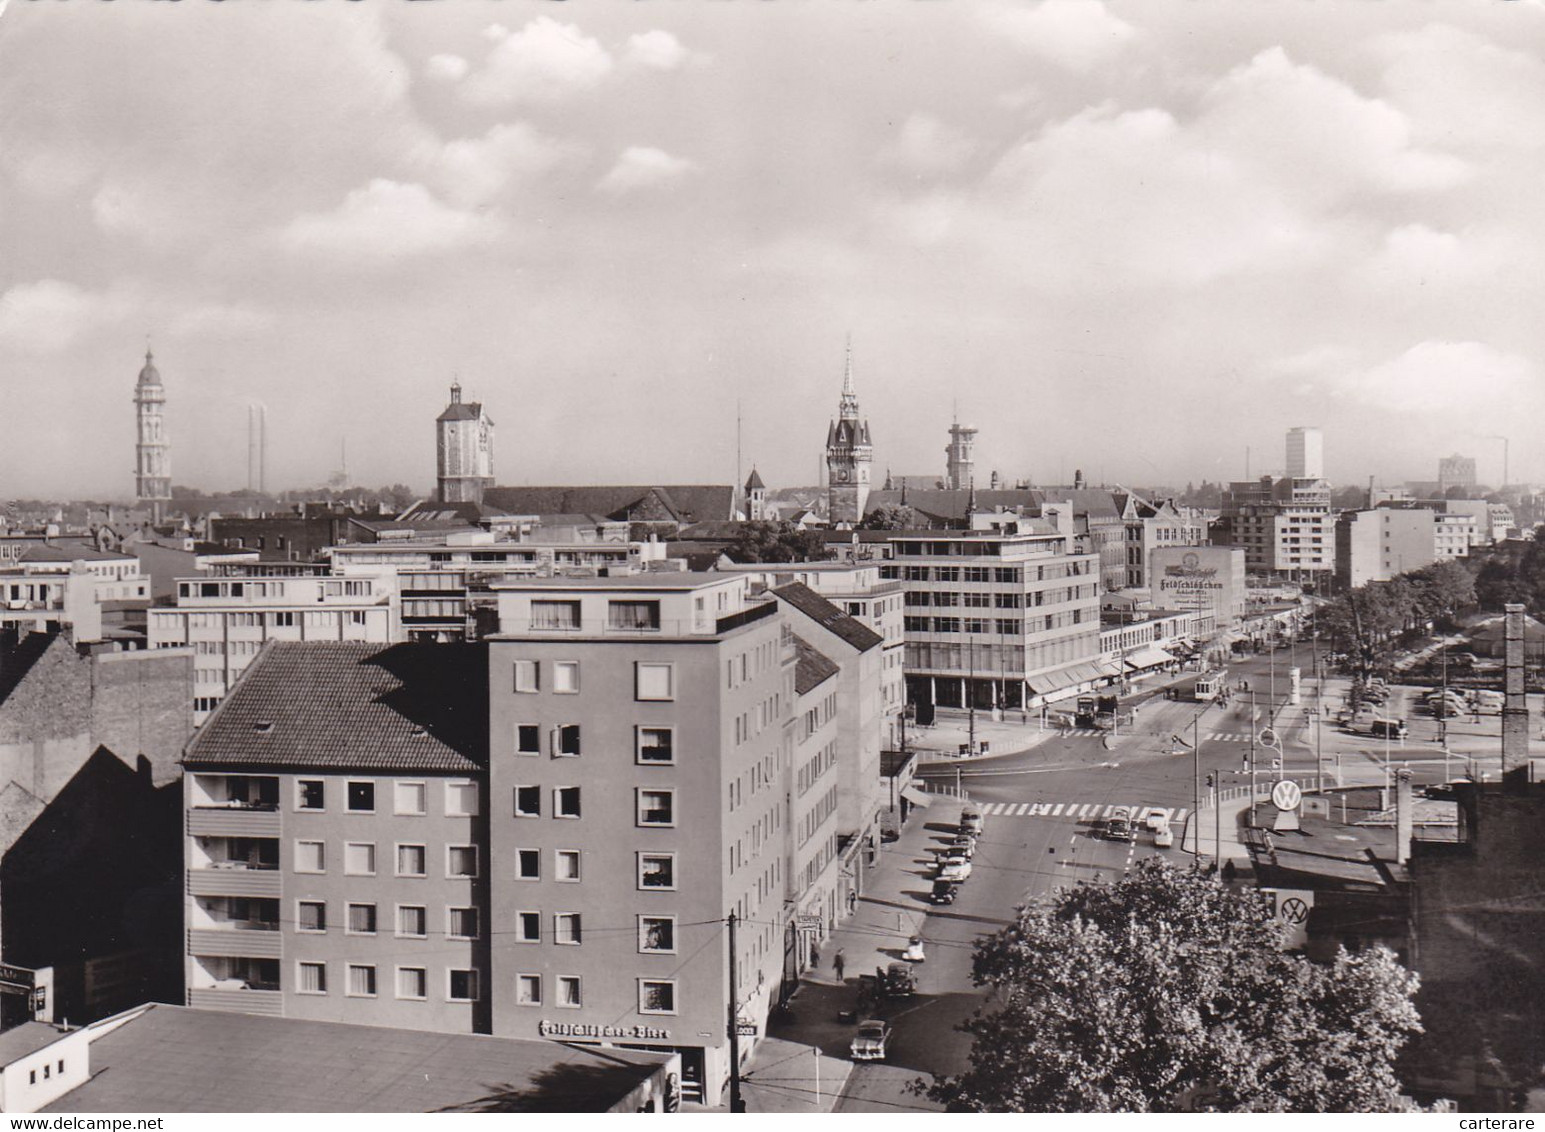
[
  {"x": 412, "y": 982},
  {"x": 652, "y": 680},
  {"x": 412, "y": 920},
  {"x": 651, "y": 745},
  {"x": 651, "y": 807},
  {"x": 408, "y": 798},
  {"x": 1004, "y": 626},
  {"x": 359, "y": 859}
]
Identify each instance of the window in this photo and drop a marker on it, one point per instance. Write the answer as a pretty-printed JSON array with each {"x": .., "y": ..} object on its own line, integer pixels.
[
  {"x": 412, "y": 920},
  {"x": 657, "y": 933},
  {"x": 528, "y": 739},
  {"x": 528, "y": 927},
  {"x": 411, "y": 861},
  {"x": 657, "y": 870},
  {"x": 284, "y": 620},
  {"x": 566, "y": 928},
  {"x": 409, "y": 797},
  {"x": 566, "y": 801},
  {"x": 528, "y": 801},
  {"x": 362, "y": 919},
  {"x": 528, "y": 990},
  {"x": 566, "y": 864},
  {"x": 310, "y": 794},
  {"x": 527, "y": 676},
  {"x": 528, "y": 864},
  {"x": 461, "y": 860},
  {"x": 566, "y": 676},
  {"x": 312, "y": 978},
  {"x": 656, "y": 996},
  {"x": 555, "y": 615},
  {"x": 633, "y": 614},
  {"x": 568, "y": 991},
  {"x": 362, "y": 980},
  {"x": 412, "y": 982},
  {"x": 654, "y": 681},
  {"x": 656, "y": 807},
  {"x": 461, "y": 923},
  {"x": 362, "y": 797},
  {"x": 311, "y": 916},
  {"x": 655, "y": 745},
  {"x": 359, "y": 858},
  {"x": 565, "y": 740},
  {"x": 463, "y": 986},
  {"x": 310, "y": 857}
]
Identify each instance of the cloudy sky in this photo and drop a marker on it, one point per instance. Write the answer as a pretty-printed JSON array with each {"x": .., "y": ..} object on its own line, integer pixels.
[{"x": 1137, "y": 238}]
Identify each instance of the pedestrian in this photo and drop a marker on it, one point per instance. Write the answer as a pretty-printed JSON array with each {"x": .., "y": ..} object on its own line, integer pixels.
[
  {"x": 852, "y": 901},
  {"x": 839, "y": 964}
]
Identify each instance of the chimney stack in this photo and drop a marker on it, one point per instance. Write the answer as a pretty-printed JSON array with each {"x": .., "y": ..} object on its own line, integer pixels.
[{"x": 1515, "y": 708}]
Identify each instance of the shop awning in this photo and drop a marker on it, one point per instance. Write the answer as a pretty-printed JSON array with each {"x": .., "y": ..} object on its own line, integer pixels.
[
  {"x": 1149, "y": 656},
  {"x": 916, "y": 796},
  {"x": 1109, "y": 667},
  {"x": 1067, "y": 677}
]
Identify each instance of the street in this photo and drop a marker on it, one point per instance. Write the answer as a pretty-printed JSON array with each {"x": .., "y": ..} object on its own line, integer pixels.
[{"x": 1045, "y": 804}]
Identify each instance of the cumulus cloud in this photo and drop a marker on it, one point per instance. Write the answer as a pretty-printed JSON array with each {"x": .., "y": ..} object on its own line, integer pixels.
[
  {"x": 214, "y": 320},
  {"x": 1467, "y": 380},
  {"x": 50, "y": 315},
  {"x": 1076, "y": 34},
  {"x": 659, "y": 50},
  {"x": 544, "y": 61},
  {"x": 446, "y": 68},
  {"x": 387, "y": 220},
  {"x": 1415, "y": 259},
  {"x": 474, "y": 171},
  {"x": 643, "y": 167},
  {"x": 928, "y": 146}
]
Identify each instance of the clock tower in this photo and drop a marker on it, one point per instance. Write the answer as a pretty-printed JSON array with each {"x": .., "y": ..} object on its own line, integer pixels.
[{"x": 848, "y": 457}]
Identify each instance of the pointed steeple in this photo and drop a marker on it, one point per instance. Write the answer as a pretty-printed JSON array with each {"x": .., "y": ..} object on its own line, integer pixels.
[{"x": 848, "y": 407}]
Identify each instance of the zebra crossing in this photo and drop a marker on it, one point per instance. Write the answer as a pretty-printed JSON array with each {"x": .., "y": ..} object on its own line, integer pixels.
[
  {"x": 1227, "y": 737},
  {"x": 1082, "y": 811}
]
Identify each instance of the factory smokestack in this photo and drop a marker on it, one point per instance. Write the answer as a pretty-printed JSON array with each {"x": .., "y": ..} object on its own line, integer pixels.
[{"x": 1515, "y": 708}]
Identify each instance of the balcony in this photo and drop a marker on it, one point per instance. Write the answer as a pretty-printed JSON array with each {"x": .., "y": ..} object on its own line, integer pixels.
[
  {"x": 234, "y": 880},
  {"x": 233, "y": 821},
  {"x": 236, "y": 943},
  {"x": 237, "y": 1001}
]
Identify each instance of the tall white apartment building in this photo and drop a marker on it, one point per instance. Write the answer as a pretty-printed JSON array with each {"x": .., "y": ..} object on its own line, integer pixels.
[
  {"x": 1305, "y": 454},
  {"x": 1284, "y": 526}
]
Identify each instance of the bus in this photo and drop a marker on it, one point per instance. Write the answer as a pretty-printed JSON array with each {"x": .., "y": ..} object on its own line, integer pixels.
[{"x": 1210, "y": 686}]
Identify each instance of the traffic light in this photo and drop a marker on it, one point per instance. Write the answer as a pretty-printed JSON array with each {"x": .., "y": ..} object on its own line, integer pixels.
[{"x": 1209, "y": 782}]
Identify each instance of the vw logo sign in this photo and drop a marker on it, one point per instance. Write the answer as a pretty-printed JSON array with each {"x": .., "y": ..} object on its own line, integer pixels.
[{"x": 1286, "y": 795}]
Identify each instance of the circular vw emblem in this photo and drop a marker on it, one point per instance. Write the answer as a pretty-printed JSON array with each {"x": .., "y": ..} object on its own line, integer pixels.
[
  {"x": 1294, "y": 911},
  {"x": 1286, "y": 795}
]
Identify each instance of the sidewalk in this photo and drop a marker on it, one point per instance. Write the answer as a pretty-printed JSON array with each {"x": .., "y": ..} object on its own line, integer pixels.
[
  {"x": 781, "y": 1077},
  {"x": 1204, "y": 822}
]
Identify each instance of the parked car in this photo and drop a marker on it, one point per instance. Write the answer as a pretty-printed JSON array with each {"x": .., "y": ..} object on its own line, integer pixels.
[
  {"x": 971, "y": 821},
  {"x": 1163, "y": 837},
  {"x": 899, "y": 980},
  {"x": 1446, "y": 709},
  {"x": 869, "y": 1043},
  {"x": 963, "y": 843},
  {"x": 955, "y": 869},
  {"x": 944, "y": 892}
]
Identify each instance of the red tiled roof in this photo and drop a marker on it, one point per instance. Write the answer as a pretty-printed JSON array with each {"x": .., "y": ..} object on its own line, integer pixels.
[{"x": 355, "y": 706}]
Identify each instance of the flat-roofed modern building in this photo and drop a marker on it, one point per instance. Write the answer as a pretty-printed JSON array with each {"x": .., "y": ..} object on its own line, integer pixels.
[
  {"x": 336, "y": 838},
  {"x": 998, "y": 619},
  {"x": 641, "y": 736}
]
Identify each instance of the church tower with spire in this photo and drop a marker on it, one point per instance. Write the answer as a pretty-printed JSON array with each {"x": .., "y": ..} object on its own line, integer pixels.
[
  {"x": 152, "y": 449},
  {"x": 848, "y": 457},
  {"x": 464, "y": 450},
  {"x": 959, "y": 463}
]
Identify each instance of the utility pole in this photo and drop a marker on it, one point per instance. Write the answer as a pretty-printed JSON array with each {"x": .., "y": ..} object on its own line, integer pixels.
[
  {"x": 1252, "y": 757},
  {"x": 1196, "y": 780},
  {"x": 1319, "y": 723},
  {"x": 736, "y": 1104}
]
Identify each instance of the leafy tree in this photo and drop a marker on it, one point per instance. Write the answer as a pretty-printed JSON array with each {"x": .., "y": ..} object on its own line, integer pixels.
[
  {"x": 894, "y": 517},
  {"x": 1168, "y": 992},
  {"x": 764, "y": 541},
  {"x": 1441, "y": 591}
]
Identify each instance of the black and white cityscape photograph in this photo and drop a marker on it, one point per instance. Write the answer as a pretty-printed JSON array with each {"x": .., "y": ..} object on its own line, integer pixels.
[{"x": 875, "y": 557}]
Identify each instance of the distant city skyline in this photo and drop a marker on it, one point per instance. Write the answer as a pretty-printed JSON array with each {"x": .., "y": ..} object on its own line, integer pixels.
[{"x": 1132, "y": 238}]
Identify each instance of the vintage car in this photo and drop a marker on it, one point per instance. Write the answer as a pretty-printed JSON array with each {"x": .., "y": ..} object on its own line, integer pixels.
[
  {"x": 944, "y": 892},
  {"x": 955, "y": 868},
  {"x": 869, "y": 1043}
]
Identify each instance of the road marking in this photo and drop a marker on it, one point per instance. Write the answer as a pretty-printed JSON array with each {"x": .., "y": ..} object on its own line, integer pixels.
[{"x": 1057, "y": 810}]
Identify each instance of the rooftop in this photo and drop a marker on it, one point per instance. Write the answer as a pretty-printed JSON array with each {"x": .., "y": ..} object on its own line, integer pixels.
[
  {"x": 678, "y": 580},
  {"x": 27, "y": 1038},
  {"x": 828, "y": 616},
  {"x": 812, "y": 667},
  {"x": 353, "y": 705},
  {"x": 175, "y": 1059}
]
